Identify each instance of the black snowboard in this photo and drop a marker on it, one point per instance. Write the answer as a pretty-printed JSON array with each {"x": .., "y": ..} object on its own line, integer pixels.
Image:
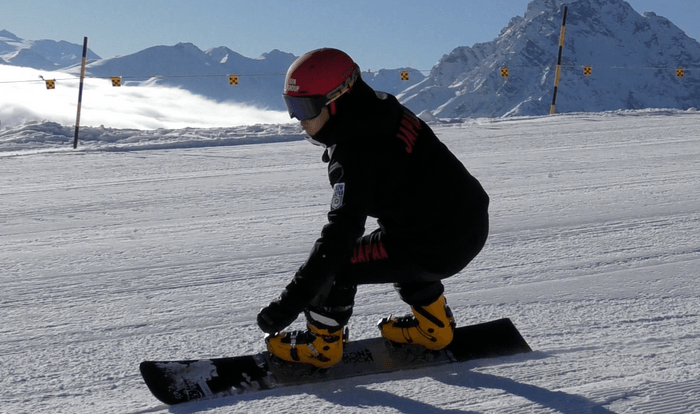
[{"x": 175, "y": 382}]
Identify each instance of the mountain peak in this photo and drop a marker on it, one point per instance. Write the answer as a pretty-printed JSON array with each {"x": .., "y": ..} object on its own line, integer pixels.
[
  {"x": 537, "y": 7},
  {"x": 276, "y": 54},
  {"x": 40, "y": 54},
  {"x": 188, "y": 47},
  {"x": 619, "y": 44},
  {"x": 4, "y": 33}
]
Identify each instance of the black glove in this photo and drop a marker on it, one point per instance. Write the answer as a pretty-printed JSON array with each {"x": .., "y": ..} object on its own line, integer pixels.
[{"x": 274, "y": 318}]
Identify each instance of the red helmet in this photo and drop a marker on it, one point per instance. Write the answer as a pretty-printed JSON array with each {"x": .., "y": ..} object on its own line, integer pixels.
[{"x": 316, "y": 79}]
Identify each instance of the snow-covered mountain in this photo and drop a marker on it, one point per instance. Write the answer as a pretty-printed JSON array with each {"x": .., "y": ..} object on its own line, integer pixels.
[
  {"x": 185, "y": 66},
  {"x": 389, "y": 80},
  {"x": 40, "y": 54},
  {"x": 206, "y": 73},
  {"x": 633, "y": 58}
]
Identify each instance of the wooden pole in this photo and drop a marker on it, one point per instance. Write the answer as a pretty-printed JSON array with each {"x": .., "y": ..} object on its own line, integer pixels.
[
  {"x": 80, "y": 93},
  {"x": 558, "y": 73}
]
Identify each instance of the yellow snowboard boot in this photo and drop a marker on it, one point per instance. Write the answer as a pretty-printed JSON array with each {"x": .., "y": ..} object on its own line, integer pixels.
[
  {"x": 430, "y": 326},
  {"x": 316, "y": 346}
]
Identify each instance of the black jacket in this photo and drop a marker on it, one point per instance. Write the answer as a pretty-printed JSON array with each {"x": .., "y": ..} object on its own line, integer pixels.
[{"x": 385, "y": 162}]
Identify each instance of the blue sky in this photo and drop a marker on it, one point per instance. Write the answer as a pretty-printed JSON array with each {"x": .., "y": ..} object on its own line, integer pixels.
[{"x": 377, "y": 33}]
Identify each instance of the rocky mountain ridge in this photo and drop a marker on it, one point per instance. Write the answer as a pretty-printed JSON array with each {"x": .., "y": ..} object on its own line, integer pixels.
[{"x": 633, "y": 59}]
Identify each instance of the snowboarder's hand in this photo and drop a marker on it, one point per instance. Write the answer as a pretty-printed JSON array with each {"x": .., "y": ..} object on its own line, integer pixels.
[{"x": 273, "y": 318}]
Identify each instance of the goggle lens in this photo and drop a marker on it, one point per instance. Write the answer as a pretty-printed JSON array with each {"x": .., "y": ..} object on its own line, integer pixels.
[{"x": 303, "y": 108}]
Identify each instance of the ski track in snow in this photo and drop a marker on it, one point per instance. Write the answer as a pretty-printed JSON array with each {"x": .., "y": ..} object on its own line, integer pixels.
[{"x": 164, "y": 244}]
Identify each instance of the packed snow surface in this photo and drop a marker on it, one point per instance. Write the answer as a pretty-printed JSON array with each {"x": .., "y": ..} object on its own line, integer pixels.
[{"x": 163, "y": 244}]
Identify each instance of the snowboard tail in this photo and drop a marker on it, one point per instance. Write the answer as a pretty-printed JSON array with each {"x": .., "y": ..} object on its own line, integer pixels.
[{"x": 175, "y": 382}]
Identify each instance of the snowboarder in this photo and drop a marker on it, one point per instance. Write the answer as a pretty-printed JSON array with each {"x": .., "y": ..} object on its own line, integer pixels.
[{"x": 386, "y": 163}]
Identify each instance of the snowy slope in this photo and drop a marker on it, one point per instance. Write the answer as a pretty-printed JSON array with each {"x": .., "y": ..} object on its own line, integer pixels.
[
  {"x": 634, "y": 59},
  {"x": 164, "y": 244}
]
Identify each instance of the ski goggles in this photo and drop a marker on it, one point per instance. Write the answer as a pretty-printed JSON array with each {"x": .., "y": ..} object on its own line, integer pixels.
[{"x": 305, "y": 107}]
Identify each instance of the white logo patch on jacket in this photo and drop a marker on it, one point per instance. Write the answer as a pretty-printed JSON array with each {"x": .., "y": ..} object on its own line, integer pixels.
[{"x": 338, "y": 193}]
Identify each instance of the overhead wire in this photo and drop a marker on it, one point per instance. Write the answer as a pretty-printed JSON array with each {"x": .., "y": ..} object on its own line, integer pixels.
[{"x": 511, "y": 70}]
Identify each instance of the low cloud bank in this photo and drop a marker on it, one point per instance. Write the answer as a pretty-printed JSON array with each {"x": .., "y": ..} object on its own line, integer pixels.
[{"x": 141, "y": 107}]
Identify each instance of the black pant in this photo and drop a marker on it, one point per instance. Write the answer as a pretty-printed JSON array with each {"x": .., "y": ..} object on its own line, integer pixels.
[{"x": 379, "y": 259}]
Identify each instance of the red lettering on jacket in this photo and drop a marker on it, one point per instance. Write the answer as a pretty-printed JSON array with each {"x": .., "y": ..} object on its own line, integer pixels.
[
  {"x": 368, "y": 252},
  {"x": 408, "y": 131}
]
